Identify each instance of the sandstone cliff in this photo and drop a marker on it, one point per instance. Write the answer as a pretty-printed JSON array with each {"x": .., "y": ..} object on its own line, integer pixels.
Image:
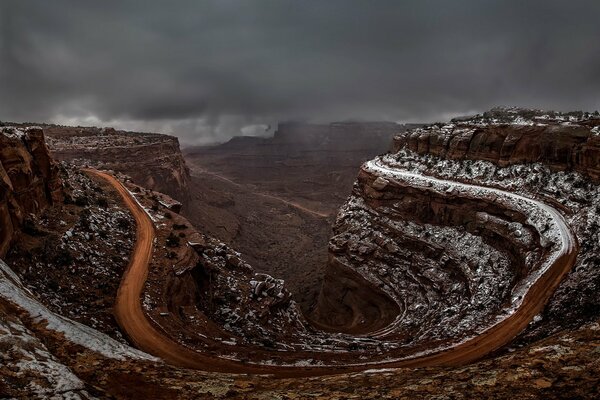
[
  {"x": 152, "y": 160},
  {"x": 29, "y": 180},
  {"x": 505, "y": 137}
]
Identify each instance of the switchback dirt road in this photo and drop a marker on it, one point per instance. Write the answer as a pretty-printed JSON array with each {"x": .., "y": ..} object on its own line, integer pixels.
[{"x": 149, "y": 338}]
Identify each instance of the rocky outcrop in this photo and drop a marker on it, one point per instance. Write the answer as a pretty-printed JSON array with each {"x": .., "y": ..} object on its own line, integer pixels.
[
  {"x": 152, "y": 160},
  {"x": 565, "y": 142},
  {"x": 29, "y": 180},
  {"x": 395, "y": 228},
  {"x": 410, "y": 242}
]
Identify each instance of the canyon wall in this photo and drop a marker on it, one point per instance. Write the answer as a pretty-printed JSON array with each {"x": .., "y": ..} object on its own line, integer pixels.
[
  {"x": 379, "y": 242},
  {"x": 443, "y": 256},
  {"x": 152, "y": 160},
  {"x": 29, "y": 180},
  {"x": 505, "y": 137}
]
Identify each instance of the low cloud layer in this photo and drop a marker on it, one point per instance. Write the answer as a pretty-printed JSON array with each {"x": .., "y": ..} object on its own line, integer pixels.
[{"x": 213, "y": 69}]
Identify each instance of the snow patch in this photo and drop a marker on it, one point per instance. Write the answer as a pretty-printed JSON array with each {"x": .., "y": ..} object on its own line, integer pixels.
[{"x": 12, "y": 290}]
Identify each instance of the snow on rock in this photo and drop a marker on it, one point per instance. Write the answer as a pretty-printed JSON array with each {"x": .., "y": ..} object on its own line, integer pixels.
[
  {"x": 12, "y": 290},
  {"x": 28, "y": 359}
]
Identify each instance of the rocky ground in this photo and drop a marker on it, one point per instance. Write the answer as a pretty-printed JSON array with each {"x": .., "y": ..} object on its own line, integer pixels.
[
  {"x": 551, "y": 155},
  {"x": 562, "y": 366},
  {"x": 73, "y": 255}
]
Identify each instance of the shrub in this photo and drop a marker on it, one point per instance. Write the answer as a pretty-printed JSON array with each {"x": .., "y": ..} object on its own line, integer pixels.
[
  {"x": 30, "y": 228},
  {"x": 81, "y": 201},
  {"x": 53, "y": 285},
  {"x": 123, "y": 223},
  {"x": 63, "y": 257},
  {"x": 173, "y": 240},
  {"x": 102, "y": 202}
]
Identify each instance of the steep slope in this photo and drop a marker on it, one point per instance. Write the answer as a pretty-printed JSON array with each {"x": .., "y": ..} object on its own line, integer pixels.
[
  {"x": 72, "y": 255},
  {"x": 453, "y": 257}
]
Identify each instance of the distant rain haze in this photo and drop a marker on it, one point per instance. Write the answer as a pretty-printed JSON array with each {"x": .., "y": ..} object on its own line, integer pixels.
[{"x": 206, "y": 71}]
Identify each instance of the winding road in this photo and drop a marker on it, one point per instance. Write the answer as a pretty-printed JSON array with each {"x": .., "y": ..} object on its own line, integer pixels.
[{"x": 148, "y": 337}]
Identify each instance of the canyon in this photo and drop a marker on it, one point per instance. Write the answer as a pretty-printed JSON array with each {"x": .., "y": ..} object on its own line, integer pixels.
[
  {"x": 463, "y": 262},
  {"x": 274, "y": 199}
]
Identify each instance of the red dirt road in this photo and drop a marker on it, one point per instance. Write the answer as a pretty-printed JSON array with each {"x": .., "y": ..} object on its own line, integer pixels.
[{"x": 149, "y": 338}]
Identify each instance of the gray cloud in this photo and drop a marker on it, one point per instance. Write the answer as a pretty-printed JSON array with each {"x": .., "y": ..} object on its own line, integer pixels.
[{"x": 212, "y": 69}]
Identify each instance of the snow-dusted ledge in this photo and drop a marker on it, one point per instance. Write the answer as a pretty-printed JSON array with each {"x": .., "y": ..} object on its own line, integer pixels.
[
  {"x": 12, "y": 290},
  {"x": 557, "y": 232}
]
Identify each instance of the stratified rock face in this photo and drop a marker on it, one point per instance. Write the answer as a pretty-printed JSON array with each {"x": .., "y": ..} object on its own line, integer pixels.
[
  {"x": 29, "y": 180},
  {"x": 505, "y": 137},
  {"x": 152, "y": 160},
  {"x": 426, "y": 226}
]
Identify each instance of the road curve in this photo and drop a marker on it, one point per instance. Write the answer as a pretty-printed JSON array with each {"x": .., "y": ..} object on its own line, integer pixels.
[
  {"x": 128, "y": 307},
  {"x": 148, "y": 337}
]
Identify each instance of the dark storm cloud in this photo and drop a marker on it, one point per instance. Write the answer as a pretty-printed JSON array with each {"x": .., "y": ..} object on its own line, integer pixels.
[{"x": 206, "y": 69}]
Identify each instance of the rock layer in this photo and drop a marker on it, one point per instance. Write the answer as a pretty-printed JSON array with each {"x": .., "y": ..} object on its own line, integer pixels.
[
  {"x": 503, "y": 136},
  {"x": 29, "y": 180},
  {"x": 152, "y": 160}
]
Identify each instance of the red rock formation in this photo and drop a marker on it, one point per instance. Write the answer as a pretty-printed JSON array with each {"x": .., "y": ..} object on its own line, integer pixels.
[
  {"x": 151, "y": 160},
  {"x": 29, "y": 179},
  {"x": 559, "y": 141}
]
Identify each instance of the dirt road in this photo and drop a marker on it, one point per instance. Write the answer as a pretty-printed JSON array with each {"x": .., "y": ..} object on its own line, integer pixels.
[
  {"x": 147, "y": 337},
  {"x": 269, "y": 196}
]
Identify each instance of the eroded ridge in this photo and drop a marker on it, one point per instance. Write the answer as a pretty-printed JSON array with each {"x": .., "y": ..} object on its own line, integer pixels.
[{"x": 458, "y": 259}]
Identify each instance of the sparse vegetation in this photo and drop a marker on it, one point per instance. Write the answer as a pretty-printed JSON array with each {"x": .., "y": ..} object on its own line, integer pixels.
[{"x": 173, "y": 240}]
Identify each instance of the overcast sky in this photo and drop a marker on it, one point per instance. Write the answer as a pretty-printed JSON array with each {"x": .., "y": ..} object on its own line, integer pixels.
[{"x": 208, "y": 70}]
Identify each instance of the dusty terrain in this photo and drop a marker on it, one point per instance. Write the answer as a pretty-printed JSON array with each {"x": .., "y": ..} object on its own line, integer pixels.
[{"x": 73, "y": 255}]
